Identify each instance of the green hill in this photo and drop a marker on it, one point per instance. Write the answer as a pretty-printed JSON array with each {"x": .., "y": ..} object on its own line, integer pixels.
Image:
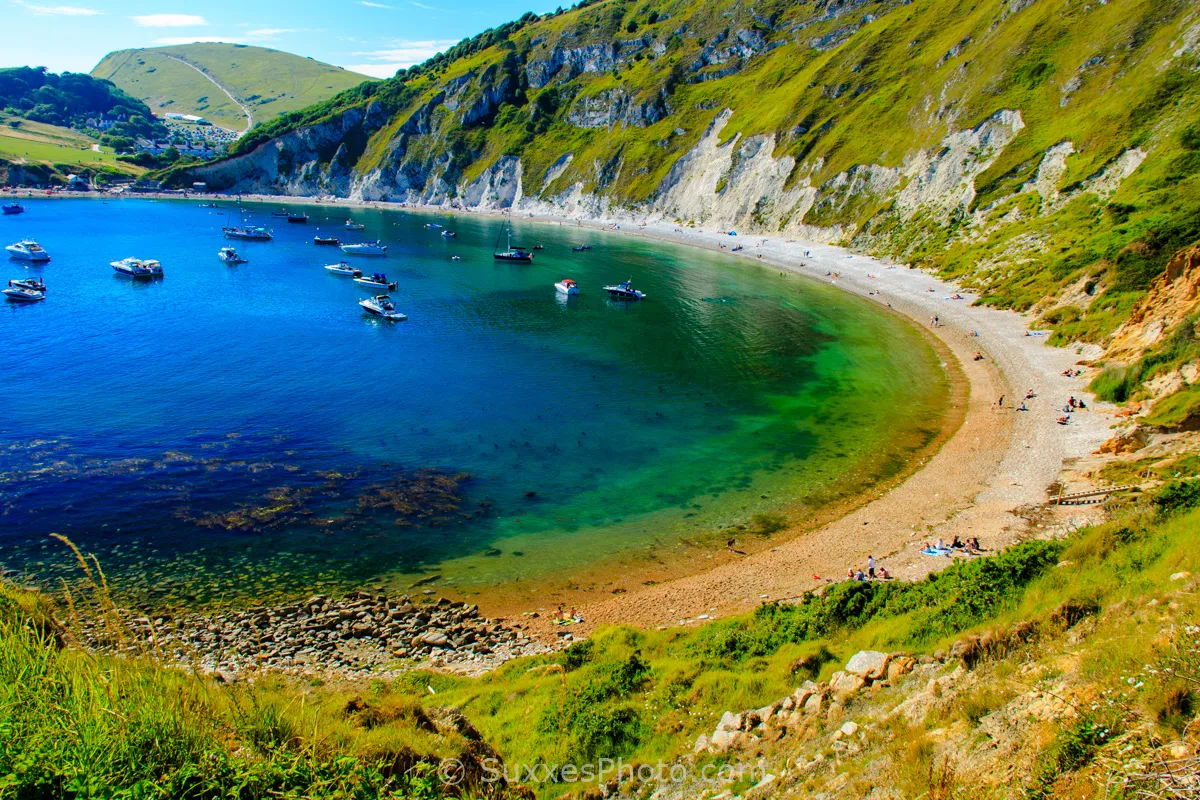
[{"x": 265, "y": 82}]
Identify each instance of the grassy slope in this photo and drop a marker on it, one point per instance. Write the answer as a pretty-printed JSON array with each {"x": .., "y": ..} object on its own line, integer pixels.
[
  {"x": 269, "y": 82},
  {"x": 50, "y": 144},
  {"x": 642, "y": 695}
]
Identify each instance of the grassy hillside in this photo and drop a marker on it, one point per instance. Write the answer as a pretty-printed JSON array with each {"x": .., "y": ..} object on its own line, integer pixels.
[
  {"x": 268, "y": 82},
  {"x": 1100, "y": 624},
  {"x": 24, "y": 142}
]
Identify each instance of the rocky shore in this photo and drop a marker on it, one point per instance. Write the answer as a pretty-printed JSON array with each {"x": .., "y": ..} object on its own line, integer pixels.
[{"x": 362, "y": 634}]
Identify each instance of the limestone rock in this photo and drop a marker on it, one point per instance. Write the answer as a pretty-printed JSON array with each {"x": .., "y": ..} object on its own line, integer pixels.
[{"x": 869, "y": 664}]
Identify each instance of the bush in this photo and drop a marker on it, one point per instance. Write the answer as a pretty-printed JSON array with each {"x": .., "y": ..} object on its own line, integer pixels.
[{"x": 1178, "y": 496}]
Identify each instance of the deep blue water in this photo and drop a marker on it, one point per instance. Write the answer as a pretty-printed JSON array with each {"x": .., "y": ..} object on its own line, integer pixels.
[{"x": 229, "y": 428}]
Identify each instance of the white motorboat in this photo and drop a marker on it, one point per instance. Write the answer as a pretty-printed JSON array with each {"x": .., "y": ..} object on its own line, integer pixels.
[
  {"x": 382, "y": 306},
  {"x": 27, "y": 250},
  {"x": 624, "y": 291},
  {"x": 138, "y": 268},
  {"x": 567, "y": 286},
  {"x": 250, "y": 232},
  {"x": 21, "y": 295},
  {"x": 351, "y": 225},
  {"x": 449, "y": 234},
  {"x": 230, "y": 256},
  {"x": 33, "y": 284},
  {"x": 377, "y": 280},
  {"x": 432, "y": 225},
  {"x": 342, "y": 268},
  {"x": 365, "y": 249}
]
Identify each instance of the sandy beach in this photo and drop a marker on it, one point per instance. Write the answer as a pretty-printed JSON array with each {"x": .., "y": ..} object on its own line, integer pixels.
[{"x": 985, "y": 481}]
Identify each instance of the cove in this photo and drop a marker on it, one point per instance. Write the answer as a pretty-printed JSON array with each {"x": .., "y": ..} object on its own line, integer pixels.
[{"x": 227, "y": 434}]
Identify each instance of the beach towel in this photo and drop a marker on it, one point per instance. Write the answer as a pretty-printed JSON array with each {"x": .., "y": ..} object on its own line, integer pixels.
[{"x": 933, "y": 551}]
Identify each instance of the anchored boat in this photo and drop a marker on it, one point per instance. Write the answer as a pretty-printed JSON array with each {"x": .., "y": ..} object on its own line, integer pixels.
[
  {"x": 27, "y": 250},
  {"x": 376, "y": 281},
  {"x": 624, "y": 291},
  {"x": 230, "y": 256},
  {"x": 19, "y": 294},
  {"x": 567, "y": 286},
  {"x": 13, "y": 208},
  {"x": 514, "y": 252},
  {"x": 328, "y": 240},
  {"x": 342, "y": 268},
  {"x": 138, "y": 268},
  {"x": 365, "y": 249},
  {"x": 351, "y": 225},
  {"x": 382, "y": 306}
]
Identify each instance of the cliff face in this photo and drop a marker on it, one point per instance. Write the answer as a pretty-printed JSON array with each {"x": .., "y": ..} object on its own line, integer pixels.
[{"x": 920, "y": 130}]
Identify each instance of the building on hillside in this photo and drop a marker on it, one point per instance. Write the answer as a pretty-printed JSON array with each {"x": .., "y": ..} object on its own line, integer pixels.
[{"x": 78, "y": 183}]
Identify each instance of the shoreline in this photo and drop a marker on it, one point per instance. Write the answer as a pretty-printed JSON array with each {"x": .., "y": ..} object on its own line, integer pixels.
[{"x": 996, "y": 462}]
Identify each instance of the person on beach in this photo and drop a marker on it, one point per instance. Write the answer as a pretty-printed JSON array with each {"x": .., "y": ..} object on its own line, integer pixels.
[
  {"x": 730, "y": 545},
  {"x": 871, "y": 566}
]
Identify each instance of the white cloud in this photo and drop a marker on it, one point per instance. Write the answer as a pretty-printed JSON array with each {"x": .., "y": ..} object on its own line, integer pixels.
[
  {"x": 268, "y": 33},
  {"x": 374, "y": 5},
  {"x": 60, "y": 11},
  {"x": 384, "y": 63},
  {"x": 169, "y": 20},
  {"x": 422, "y": 5}
]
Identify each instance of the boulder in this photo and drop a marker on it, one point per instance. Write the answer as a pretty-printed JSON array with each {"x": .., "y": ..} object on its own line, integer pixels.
[
  {"x": 701, "y": 744},
  {"x": 722, "y": 740},
  {"x": 898, "y": 668},
  {"x": 849, "y": 729},
  {"x": 432, "y": 639},
  {"x": 731, "y": 722},
  {"x": 815, "y": 704},
  {"x": 869, "y": 664},
  {"x": 844, "y": 684}
]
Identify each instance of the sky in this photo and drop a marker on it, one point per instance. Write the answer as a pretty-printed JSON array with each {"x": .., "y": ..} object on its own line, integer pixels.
[{"x": 374, "y": 37}]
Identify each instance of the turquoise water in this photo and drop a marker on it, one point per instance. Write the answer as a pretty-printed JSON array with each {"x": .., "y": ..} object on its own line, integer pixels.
[{"x": 229, "y": 431}]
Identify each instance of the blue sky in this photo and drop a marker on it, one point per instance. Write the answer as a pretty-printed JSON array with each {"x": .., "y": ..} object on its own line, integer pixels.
[{"x": 375, "y": 37}]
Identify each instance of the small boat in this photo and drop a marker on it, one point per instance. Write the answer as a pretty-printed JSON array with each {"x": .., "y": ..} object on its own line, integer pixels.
[
  {"x": 456, "y": 258},
  {"x": 432, "y": 225},
  {"x": 27, "y": 250},
  {"x": 208, "y": 205},
  {"x": 283, "y": 213},
  {"x": 382, "y": 306},
  {"x": 33, "y": 284},
  {"x": 583, "y": 248},
  {"x": 22, "y": 295},
  {"x": 514, "y": 252},
  {"x": 297, "y": 219},
  {"x": 138, "y": 268},
  {"x": 342, "y": 268},
  {"x": 230, "y": 256},
  {"x": 567, "y": 286},
  {"x": 448, "y": 234},
  {"x": 539, "y": 247},
  {"x": 624, "y": 291},
  {"x": 330, "y": 240},
  {"x": 365, "y": 249},
  {"x": 377, "y": 280},
  {"x": 247, "y": 232},
  {"x": 351, "y": 225},
  {"x": 13, "y": 208}
]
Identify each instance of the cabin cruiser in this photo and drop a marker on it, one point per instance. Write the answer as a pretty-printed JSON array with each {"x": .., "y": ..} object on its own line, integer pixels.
[
  {"x": 250, "y": 232},
  {"x": 448, "y": 234},
  {"x": 514, "y": 252},
  {"x": 365, "y": 249},
  {"x": 21, "y": 294},
  {"x": 33, "y": 284},
  {"x": 342, "y": 268},
  {"x": 382, "y": 306},
  {"x": 351, "y": 225},
  {"x": 583, "y": 248},
  {"x": 13, "y": 208},
  {"x": 138, "y": 268},
  {"x": 297, "y": 219},
  {"x": 330, "y": 240},
  {"x": 624, "y": 291},
  {"x": 567, "y": 286},
  {"x": 27, "y": 250},
  {"x": 377, "y": 280},
  {"x": 230, "y": 256}
]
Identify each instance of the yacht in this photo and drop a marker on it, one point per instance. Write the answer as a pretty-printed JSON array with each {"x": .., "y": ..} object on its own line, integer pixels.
[
  {"x": 230, "y": 256},
  {"x": 377, "y": 280},
  {"x": 624, "y": 291},
  {"x": 448, "y": 234},
  {"x": 365, "y": 249},
  {"x": 567, "y": 286},
  {"x": 27, "y": 250},
  {"x": 297, "y": 219},
  {"x": 22, "y": 295},
  {"x": 342, "y": 268},
  {"x": 33, "y": 284},
  {"x": 138, "y": 268},
  {"x": 514, "y": 252},
  {"x": 382, "y": 306},
  {"x": 351, "y": 225},
  {"x": 13, "y": 208},
  {"x": 250, "y": 232},
  {"x": 329, "y": 240}
]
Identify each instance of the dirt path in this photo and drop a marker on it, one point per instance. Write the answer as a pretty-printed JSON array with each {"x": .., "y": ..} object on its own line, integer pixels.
[{"x": 216, "y": 83}]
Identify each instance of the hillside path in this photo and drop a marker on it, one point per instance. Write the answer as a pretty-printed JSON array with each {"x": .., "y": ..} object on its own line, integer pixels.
[{"x": 216, "y": 83}]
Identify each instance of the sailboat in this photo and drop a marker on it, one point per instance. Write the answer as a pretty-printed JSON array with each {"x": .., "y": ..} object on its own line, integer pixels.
[
  {"x": 514, "y": 252},
  {"x": 244, "y": 231}
]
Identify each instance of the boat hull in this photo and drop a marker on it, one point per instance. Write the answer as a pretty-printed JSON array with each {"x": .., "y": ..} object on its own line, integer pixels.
[
  {"x": 520, "y": 259},
  {"x": 23, "y": 255},
  {"x": 19, "y": 296}
]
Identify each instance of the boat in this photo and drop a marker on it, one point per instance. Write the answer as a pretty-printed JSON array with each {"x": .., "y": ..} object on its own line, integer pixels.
[
  {"x": 382, "y": 306},
  {"x": 230, "y": 256},
  {"x": 208, "y": 205},
  {"x": 514, "y": 252},
  {"x": 567, "y": 286},
  {"x": 448, "y": 234},
  {"x": 456, "y": 258},
  {"x": 624, "y": 291},
  {"x": 376, "y": 280},
  {"x": 583, "y": 248},
  {"x": 247, "y": 232},
  {"x": 282, "y": 213},
  {"x": 539, "y": 247},
  {"x": 27, "y": 250},
  {"x": 33, "y": 284},
  {"x": 22, "y": 295},
  {"x": 297, "y": 219},
  {"x": 342, "y": 268},
  {"x": 365, "y": 249},
  {"x": 432, "y": 225},
  {"x": 330, "y": 240},
  {"x": 13, "y": 208},
  {"x": 138, "y": 268},
  {"x": 351, "y": 225}
]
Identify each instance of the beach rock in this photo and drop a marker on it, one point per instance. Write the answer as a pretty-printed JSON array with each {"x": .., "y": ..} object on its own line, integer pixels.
[{"x": 869, "y": 664}]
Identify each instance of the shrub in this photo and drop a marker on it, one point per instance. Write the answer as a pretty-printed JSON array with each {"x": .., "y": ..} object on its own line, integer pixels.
[{"x": 1178, "y": 496}]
